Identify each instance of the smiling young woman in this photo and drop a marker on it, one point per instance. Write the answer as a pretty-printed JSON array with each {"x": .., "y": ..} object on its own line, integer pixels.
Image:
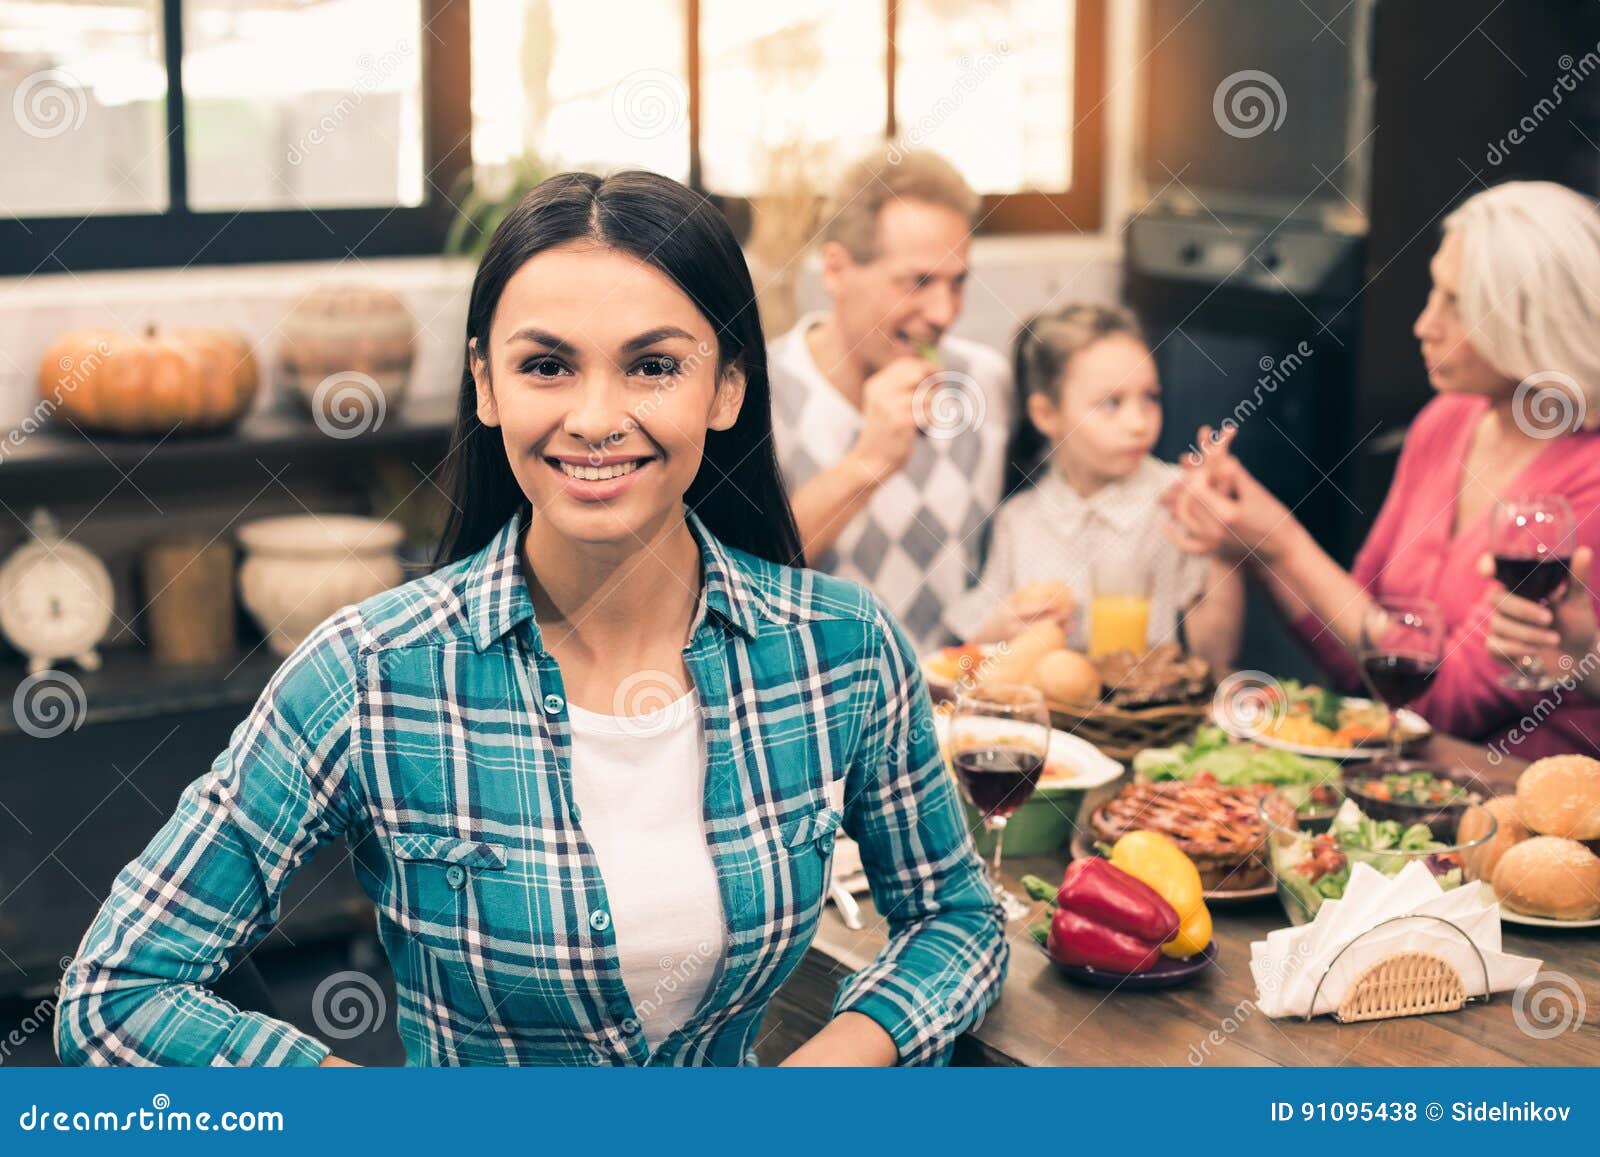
[{"x": 591, "y": 769}]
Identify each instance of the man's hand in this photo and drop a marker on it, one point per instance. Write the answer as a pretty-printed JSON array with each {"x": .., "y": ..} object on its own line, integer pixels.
[{"x": 888, "y": 419}]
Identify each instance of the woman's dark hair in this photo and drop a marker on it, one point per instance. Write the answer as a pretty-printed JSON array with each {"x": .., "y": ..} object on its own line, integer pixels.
[
  {"x": 738, "y": 492},
  {"x": 1044, "y": 346}
]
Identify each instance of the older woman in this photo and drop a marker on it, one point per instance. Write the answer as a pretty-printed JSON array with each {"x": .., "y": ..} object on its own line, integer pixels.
[{"x": 1511, "y": 338}]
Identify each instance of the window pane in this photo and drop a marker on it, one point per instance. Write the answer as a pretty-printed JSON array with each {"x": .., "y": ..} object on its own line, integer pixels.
[
  {"x": 988, "y": 83},
  {"x": 303, "y": 105},
  {"x": 83, "y": 118},
  {"x": 581, "y": 85},
  {"x": 775, "y": 78}
]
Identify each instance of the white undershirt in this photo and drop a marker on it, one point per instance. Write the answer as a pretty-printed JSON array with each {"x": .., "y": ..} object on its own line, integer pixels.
[{"x": 639, "y": 783}]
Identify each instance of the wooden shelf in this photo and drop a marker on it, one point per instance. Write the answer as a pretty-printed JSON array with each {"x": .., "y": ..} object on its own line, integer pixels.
[
  {"x": 130, "y": 685},
  {"x": 60, "y": 447}
]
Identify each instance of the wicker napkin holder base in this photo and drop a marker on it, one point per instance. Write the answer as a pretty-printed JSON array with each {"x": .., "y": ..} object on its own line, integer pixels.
[{"x": 1408, "y": 983}]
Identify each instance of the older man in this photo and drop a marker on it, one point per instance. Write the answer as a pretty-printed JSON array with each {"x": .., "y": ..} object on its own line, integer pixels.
[{"x": 890, "y": 432}]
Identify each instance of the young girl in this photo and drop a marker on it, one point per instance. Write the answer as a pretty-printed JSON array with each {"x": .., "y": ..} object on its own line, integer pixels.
[
  {"x": 1088, "y": 496},
  {"x": 609, "y": 741}
]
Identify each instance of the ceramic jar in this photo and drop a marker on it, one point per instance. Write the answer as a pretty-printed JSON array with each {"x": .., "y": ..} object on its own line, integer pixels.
[{"x": 299, "y": 569}]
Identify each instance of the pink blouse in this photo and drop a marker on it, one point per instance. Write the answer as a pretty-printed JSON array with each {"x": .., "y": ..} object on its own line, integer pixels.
[{"x": 1411, "y": 551}]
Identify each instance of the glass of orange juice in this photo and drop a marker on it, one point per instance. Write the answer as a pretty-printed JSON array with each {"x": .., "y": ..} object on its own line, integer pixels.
[{"x": 1119, "y": 605}]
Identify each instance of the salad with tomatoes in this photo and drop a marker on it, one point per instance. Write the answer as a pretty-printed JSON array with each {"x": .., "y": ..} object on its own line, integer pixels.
[{"x": 1311, "y": 868}]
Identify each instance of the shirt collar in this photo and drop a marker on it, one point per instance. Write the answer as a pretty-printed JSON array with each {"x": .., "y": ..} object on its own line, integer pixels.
[
  {"x": 497, "y": 598},
  {"x": 1124, "y": 504}
]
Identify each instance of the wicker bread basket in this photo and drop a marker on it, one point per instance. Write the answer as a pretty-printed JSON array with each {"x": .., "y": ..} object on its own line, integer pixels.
[{"x": 1124, "y": 732}]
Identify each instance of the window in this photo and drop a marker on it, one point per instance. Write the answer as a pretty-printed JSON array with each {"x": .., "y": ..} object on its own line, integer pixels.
[
  {"x": 715, "y": 91},
  {"x": 170, "y": 132}
]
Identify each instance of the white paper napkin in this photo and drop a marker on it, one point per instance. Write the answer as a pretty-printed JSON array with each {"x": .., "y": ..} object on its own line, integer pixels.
[{"x": 1350, "y": 935}]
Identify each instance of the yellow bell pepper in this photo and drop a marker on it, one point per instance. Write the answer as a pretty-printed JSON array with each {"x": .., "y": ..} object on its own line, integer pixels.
[
  {"x": 1193, "y": 935},
  {"x": 1154, "y": 859}
]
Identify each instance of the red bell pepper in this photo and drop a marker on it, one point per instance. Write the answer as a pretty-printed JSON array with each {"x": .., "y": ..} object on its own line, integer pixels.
[{"x": 1108, "y": 919}]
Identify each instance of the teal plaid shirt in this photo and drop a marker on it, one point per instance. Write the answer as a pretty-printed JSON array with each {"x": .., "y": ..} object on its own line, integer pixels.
[{"x": 428, "y": 727}]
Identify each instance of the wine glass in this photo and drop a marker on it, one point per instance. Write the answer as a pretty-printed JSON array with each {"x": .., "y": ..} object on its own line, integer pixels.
[
  {"x": 1532, "y": 540},
  {"x": 1402, "y": 641},
  {"x": 1000, "y": 735}
]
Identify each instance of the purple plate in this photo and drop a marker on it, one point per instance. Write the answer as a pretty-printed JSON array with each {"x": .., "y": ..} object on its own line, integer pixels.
[{"x": 1165, "y": 974}]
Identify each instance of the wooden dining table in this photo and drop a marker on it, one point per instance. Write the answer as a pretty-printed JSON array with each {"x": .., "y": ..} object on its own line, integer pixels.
[{"x": 1042, "y": 1018}]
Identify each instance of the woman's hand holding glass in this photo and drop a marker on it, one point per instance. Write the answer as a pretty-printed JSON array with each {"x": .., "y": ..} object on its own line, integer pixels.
[{"x": 1564, "y": 636}]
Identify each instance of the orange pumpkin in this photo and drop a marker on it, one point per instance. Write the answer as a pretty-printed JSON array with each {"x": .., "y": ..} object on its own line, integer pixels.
[{"x": 127, "y": 383}]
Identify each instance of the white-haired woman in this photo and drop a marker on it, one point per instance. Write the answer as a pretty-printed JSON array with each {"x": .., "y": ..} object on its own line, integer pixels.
[{"x": 1511, "y": 338}]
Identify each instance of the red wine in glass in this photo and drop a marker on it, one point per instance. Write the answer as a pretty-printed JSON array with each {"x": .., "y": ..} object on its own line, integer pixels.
[
  {"x": 1532, "y": 540},
  {"x": 999, "y": 740},
  {"x": 1542, "y": 578},
  {"x": 1402, "y": 643},
  {"x": 999, "y": 780},
  {"x": 1399, "y": 679}
]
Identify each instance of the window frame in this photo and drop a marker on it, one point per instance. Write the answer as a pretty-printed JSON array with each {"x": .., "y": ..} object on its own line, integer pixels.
[
  {"x": 1080, "y": 209},
  {"x": 180, "y": 236}
]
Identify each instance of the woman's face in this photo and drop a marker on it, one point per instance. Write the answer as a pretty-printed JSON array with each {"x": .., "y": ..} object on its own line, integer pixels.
[
  {"x": 1106, "y": 416},
  {"x": 602, "y": 377},
  {"x": 1454, "y": 364}
]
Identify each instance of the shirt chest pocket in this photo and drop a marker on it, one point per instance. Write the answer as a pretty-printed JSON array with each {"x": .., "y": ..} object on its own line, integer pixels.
[
  {"x": 496, "y": 923},
  {"x": 439, "y": 900},
  {"x": 803, "y": 862}
]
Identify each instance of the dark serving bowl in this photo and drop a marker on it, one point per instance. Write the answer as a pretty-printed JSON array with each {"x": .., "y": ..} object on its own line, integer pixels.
[{"x": 1441, "y": 819}]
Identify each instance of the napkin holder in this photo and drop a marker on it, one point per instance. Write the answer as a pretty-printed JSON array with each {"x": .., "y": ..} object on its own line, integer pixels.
[{"x": 1407, "y": 983}]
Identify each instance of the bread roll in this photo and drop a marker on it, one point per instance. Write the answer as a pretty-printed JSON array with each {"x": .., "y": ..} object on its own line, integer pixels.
[
  {"x": 1016, "y": 662},
  {"x": 1041, "y": 597},
  {"x": 1560, "y": 796},
  {"x": 1068, "y": 677},
  {"x": 1509, "y": 831},
  {"x": 1549, "y": 876}
]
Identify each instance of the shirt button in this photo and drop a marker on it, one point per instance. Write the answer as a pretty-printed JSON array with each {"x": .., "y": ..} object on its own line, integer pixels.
[
  {"x": 600, "y": 920},
  {"x": 618, "y": 1009},
  {"x": 553, "y": 703},
  {"x": 455, "y": 875}
]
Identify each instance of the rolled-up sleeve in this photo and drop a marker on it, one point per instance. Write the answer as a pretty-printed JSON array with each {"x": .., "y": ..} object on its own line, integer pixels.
[
  {"x": 209, "y": 884},
  {"x": 947, "y": 952}
]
